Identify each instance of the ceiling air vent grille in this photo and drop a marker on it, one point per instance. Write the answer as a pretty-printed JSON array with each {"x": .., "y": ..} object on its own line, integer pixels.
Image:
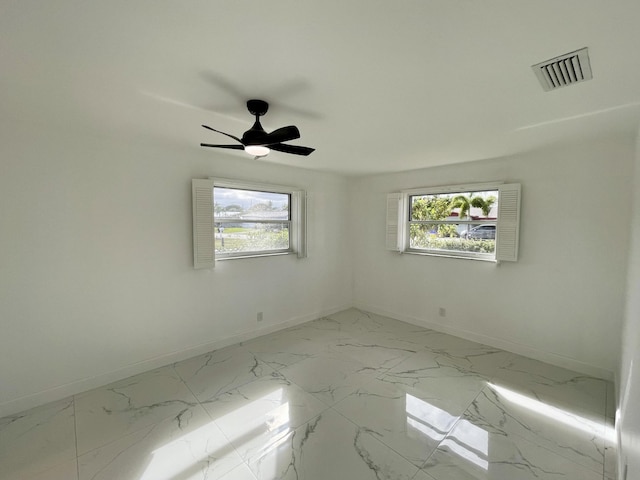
[{"x": 564, "y": 70}]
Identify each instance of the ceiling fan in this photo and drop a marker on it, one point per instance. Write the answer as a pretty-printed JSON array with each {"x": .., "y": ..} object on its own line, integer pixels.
[{"x": 257, "y": 142}]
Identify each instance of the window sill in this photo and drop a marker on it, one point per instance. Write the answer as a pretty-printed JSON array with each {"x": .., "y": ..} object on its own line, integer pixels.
[
  {"x": 490, "y": 259},
  {"x": 253, "y": 255}
]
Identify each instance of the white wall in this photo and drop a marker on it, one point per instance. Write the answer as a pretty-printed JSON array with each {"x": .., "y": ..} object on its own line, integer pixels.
[
  {"x": 96, "y": 276},
  {"x": 628, "y": 421},
  {"x": 561, "y": 302},
  {"x": 96, "y": 281}
]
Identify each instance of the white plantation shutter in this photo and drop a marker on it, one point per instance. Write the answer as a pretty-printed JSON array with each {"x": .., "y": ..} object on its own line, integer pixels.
[
  {"x": 203, "y": 227},
  {"x": 394, "y": 210},
  {"x": 508, "y": 228},
  {"x": 299, "y": 220}
]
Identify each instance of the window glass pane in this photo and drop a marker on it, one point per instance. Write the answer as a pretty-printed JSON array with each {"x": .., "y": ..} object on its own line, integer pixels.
[
  {"x": 430, "y": 207},
  {"x": 466, "y": 206},
  {"x": 449, "y": 232},
  {"x": 452, "y": 237},
  {"x": 250, "y": 221},
  {"x": 230, "y": 203},
  {"x": 251, "y": 237}
]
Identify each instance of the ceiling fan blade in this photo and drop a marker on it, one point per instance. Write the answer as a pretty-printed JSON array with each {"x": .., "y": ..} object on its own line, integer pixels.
[
  {"x": 232, "y": 147},
  {"x": 283, "y": 134},
  {"x": 227, "y": 134},
  {"x": 295, "y": 149}
]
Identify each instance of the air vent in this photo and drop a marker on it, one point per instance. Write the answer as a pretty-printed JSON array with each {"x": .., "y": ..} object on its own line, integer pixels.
[{"x": 564, "y": 70}]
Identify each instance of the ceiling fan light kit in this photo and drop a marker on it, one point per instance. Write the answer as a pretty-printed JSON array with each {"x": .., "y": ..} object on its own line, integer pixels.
[
  {"x": 257, "y": 150},
  {"x": 257, "y": 142}
]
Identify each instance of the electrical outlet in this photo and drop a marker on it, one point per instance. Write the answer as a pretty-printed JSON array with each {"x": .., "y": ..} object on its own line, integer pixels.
[
  {"x": 442, "y": 312},
  {"x": 259, "y": 316}
]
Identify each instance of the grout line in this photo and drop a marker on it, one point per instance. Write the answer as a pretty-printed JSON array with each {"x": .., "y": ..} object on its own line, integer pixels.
[
  {"x": 75, "y": 432},
  {"x": 454, "y": 425},
  {"x": 372, "y": 435},
  {"x": 604, "y": 423},
  {"x": 229, "y": 442},
  {"x": 189, "y": 388},
  {"x": 556, "y": 452}
]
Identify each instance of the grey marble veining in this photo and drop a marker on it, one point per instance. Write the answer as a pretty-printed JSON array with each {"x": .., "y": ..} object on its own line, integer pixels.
[
  {"x": 400, "y": 417},
  {"x": 580, "y": 393},
  {"x": 287, "y": 347},
  {"x": 330, "y": 446},
  {"x": 503, "y": 412},
  {"x": 442, "y": 384},
  {"x": 471, "y": 452},
  {"x": 64, "y": 471},
  {"x": 262, "y": 411},
  {"x": 376, "y": 350},
  {"x": 610, "y": 450},
  {"x": 352, "y": 395},
  {"x": 39, "y": 443},
  {"x": 328, "y": 377},
  {"x": 217, "y": 372},
  {"x": 110, "y": 412},
  {"x": 189, "y": 445}
]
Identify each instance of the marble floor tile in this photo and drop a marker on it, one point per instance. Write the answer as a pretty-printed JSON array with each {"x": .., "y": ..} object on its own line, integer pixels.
[
  {"x": 329, "y": 377},
  {"x": 331, "y": 326},
  {"x": 610, "y": 450},
  {"x": 472, "y": 453},
  {"x": 241, "y": 472},
  {"x": 323, "y": 330},
  {"x": 443, "y": 385},
  {"x": 610, "y": 461},
  {"x": 353, "y": 396},
  {"x": 189, "y": 446},
  {"x": 611, "y": 439},
  {"x": 581, "y": 394},
  {"x": 214, "y": 373},
  {"x": 422, "y": 475},
  {"x": 610, "y": 411},
  {"x": 65, "y": 471},
  {"x": 330, "y": 447},
  {"x": 376, "y": 350},
  {"x": 399, "y": 418},
  {"x": 39, "y": 443},
  {"x": 471, "y": 356},
  {"x": 108, "y": 413},
  {"x": 480, "y": 359},
  {"x": 259, "y": 413},
  {"x": 434, "y": 340},
  {"x": 358, "y": 322},
  {"x": 282, "y": 349},
  {"x": 502, "y": 412}
]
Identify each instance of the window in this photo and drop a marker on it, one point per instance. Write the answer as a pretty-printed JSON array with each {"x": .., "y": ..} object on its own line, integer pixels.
[
  {"x": 235, "y": 219},
  {"x": 251, "y": 221},
  {"x": 465, "y": 221}
]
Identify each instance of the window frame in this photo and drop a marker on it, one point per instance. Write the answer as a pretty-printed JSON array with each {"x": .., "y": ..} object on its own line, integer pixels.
[
  {"x": 258, "y": 188},
  {"x": 204, "y": 220},
  {"x": 507, "y": 222}
]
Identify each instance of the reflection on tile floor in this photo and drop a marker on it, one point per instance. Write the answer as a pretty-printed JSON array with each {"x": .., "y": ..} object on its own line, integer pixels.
[{"x": 350, "y": 396}]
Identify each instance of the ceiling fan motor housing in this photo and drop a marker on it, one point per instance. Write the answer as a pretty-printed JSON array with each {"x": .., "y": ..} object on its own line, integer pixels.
[
  {"x": 257, "y": 107},
  {"x": 255, "y": 135}
]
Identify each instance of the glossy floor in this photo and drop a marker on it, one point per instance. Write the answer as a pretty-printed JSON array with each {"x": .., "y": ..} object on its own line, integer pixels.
[{"x": 352, "y": 396}]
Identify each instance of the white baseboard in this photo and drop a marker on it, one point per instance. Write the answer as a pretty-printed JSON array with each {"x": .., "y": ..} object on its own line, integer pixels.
[
  {"x": 85, "y": 384},
  {"x": 509, "y": 346}
]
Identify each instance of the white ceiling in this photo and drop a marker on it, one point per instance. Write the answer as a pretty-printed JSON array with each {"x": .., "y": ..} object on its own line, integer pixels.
[{"x": 375, "y": 86}]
